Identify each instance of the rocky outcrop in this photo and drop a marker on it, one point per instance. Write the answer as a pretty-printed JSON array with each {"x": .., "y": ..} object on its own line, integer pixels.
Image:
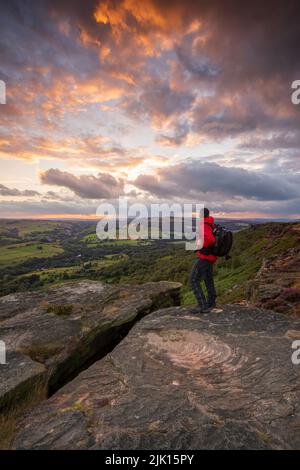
[
  {"x": 277, "y": 284},
  {"x": 222, "y": 380},
  {"x": 51, "y": 335}
]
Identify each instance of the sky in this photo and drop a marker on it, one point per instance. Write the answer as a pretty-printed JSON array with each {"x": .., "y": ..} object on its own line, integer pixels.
[{"x": 157, "y": 101}]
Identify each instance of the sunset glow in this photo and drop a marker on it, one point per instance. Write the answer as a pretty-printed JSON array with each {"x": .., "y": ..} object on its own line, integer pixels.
[{"x": 175, "y": 100}]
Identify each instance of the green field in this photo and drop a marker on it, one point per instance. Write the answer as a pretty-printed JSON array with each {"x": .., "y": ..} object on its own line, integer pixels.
[
  {"x": 30, "y": 262},
  {"x": 13, "y": 254},
  {"x": 50, "y": 274},
  {"x": 26, "y": 227},
  {"x": 91, "y": 239},
  {"x": 59, "y": 274}
]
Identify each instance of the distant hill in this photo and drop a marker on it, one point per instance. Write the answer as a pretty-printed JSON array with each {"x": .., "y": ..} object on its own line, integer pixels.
[{"x": 35, "y": 254}]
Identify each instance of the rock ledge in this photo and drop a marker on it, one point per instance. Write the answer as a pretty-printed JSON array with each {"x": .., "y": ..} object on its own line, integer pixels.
[
  {"x": 52, "y": 334},
  {"x": 223, "y": 380}
]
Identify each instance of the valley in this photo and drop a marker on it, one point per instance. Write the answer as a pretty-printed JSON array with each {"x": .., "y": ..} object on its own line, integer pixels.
[{"x": 37, "y": 254}]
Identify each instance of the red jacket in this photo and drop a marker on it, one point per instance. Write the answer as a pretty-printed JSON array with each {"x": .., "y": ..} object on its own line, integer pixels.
[{"x": 209, "y": 240}]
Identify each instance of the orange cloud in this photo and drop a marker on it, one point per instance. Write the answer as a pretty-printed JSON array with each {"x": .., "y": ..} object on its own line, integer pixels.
[
  {"x": 142, "y": 20},
  {"x": 143, "y": 12}
]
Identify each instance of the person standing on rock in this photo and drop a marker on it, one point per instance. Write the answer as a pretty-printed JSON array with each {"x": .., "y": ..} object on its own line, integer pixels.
[{"x": 203, "y": 269}]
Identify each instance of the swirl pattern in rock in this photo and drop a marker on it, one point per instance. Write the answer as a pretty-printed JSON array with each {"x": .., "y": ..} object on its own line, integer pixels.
[{"x": 223, "y": 380}]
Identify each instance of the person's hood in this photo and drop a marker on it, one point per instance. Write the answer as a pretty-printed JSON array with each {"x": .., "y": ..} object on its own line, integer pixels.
[{"x": 209, "y": 220}]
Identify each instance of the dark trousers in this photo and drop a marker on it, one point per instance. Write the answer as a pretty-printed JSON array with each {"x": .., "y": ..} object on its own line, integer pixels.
[{"x": 203, "y": 271}]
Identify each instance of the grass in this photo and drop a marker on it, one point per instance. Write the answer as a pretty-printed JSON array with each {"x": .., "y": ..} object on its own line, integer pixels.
[
  {"x": 250, "y": 247},
  {"x": 10, "y": 418},
  {"x": 91, "y": 239},
  {"x": 49, "y": 274},
  {"x": 57, "y": 275},
  {"x": 7, "y": 240},
  {"x": 167, "y": 261},
  {"x": 13, "y": 254},
  {"x": 25, "y": 227}
]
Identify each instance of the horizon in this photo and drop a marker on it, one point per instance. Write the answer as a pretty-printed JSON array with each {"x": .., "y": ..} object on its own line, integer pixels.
[
  {"x": 95, "y": 218},
  {"x": 167, "y": 101}
]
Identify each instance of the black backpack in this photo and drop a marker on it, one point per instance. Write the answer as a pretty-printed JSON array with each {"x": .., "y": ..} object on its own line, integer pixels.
[{"x": 224, "y": 240}]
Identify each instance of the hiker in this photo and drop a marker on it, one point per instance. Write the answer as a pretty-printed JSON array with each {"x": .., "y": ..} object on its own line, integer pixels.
[{"x": 203, "y": 269}]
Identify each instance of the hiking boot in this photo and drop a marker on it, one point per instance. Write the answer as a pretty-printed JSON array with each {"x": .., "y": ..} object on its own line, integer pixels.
[
  {"x": 211, "y": 305},
  {"x": 197, "y": 310},
  {"x": 194, "y": 310}
]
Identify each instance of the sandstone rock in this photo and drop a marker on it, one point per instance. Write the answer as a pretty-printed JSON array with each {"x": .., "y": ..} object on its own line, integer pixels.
[
  {"x": 222, "y": 380},
  {"x": 58, "y": 330},
  {"x": 19, "y": 378}
]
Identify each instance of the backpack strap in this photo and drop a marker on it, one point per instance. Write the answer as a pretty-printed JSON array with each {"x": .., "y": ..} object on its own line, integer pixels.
[
  {"x": 212, "y": 226},
  {"x": 208, "y": 223},
  {"x": 207, "y": 251}
]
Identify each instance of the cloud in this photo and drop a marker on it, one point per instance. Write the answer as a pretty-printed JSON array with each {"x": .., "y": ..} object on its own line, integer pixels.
[
  {"x": 196, "y": 179},
  {"x": 86, "y": 186},
  {"x": 197, "y": 65},
  {"x": 153, "y": 59},
  {"x": 5, "y": 191},
  {"x": 236, "y": 207},
  {"x": 45, "y": 208},
  {"x": 279, "y": 140},
  {"x": 196, "y": 72},
  {"x": 158, "y": 101},
  {"x": 180, "y": 133}
]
